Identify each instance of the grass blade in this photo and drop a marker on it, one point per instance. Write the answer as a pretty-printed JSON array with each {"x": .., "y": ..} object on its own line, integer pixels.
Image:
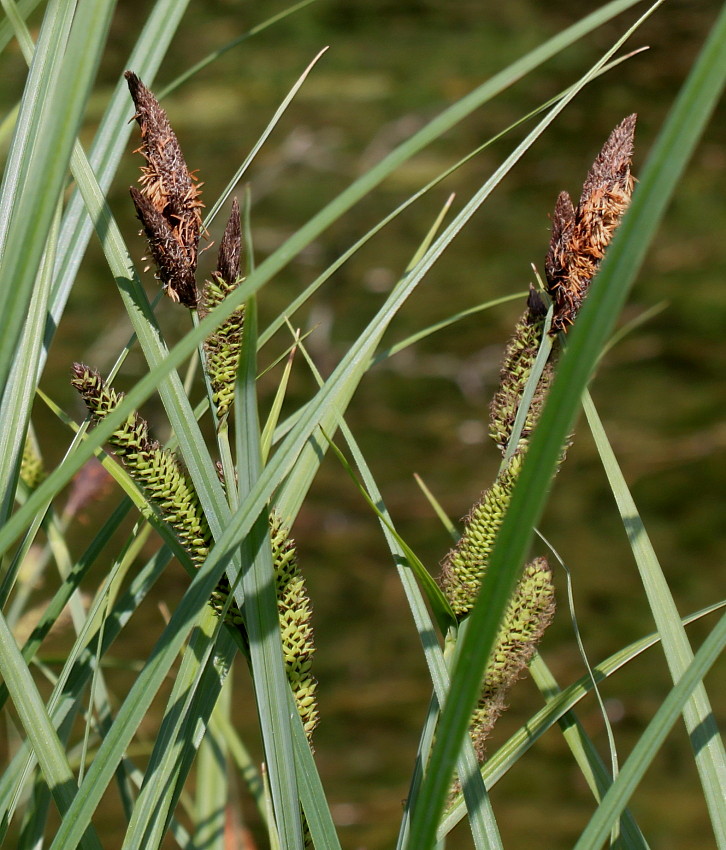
[
  {"x": 54, "y": 131},
  {"x": 647, "y": 747},
  {"x": 708, "y": 749},
  {"x": 39, "y": 729},
  {"x": 259, "y": 606}
]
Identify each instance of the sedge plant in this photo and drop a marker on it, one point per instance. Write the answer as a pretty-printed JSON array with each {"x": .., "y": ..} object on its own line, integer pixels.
[{"x": 221, "y": 492}]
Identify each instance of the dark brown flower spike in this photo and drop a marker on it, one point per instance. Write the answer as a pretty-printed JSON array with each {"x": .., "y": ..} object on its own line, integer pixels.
[
  {"x": 222, "y": 347},
  {"x": 172, "y": 261},
  {"x": 171, "y": 190},
  {"x": 230, "y": 247},
  {"x": 580, "y": 235}
]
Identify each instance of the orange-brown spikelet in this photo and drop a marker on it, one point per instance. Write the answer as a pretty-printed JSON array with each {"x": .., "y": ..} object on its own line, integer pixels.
[
  {"x": 170, "y": 190},
  {"x": 581, "y": 234}
]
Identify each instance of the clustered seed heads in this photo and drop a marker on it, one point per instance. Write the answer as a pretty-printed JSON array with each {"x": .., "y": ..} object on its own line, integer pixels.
[
  {"x": 171, "y": 491},
  {"x": 168, "y": 203},
  {"x": 294, "y": 613},
  {"x": 581, "y": 234},
  {"x": 222, "y": 348},
  {"x": 529, "y": 612}
]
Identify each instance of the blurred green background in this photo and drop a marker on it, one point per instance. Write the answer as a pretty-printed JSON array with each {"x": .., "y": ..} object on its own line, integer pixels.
[{"x": 390, "y": 67}]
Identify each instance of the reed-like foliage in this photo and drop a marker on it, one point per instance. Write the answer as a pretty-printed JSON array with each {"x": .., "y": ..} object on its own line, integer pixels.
[{"x": 225, "y": 490}]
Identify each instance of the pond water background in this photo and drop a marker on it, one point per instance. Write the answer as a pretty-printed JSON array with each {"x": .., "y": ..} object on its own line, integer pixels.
[{"x": 389, "y": 68}]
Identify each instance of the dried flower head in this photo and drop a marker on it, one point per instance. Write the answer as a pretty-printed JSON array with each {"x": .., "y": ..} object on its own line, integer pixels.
[
  {"x": 170, "y": 189},
  {"x": 581, "y": 234},
  {"x": 170, "y": 256}
]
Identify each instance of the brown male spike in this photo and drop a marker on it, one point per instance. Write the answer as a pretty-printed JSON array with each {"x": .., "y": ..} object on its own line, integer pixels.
[
  {"x": 581, "y": 234},
  {"x": 172, "y": 260},
  {"x": 170, "y": 190},
  {"x": 230, "y": 247}
]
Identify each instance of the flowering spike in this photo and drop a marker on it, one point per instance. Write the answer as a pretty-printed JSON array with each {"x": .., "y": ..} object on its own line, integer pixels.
[
  {"x": 519, "y": 357},
  {"x": 465, "y": 565},
  {"x": 171, "y": 259},
  {"x": 230, "y": 247},
  {"x": 558, "y": 256},
  {"x": 164, "y": 481},
  {"x": 580, "y": 235},
  {"x": 171, "y": 492},
  {"x": 223, "y": 347},
  {"x": 171, "y": 190},
  {"x": 527, "y": 616},
  {"x": 294, "y": 613}
]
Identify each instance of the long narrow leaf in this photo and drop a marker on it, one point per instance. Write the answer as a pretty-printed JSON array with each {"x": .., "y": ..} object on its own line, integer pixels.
[
  {"x": 55, "y": 131},
  {"x": 259, "y": 606},
  {"x": 38, "y": 728},
  {"x": 152, "y": 810},
  {"x": 74, "y": 676},
  {"x": 17, "y": 400},
  {"x": 708, "y": 749},
  {"x": 647, "y": 747}
]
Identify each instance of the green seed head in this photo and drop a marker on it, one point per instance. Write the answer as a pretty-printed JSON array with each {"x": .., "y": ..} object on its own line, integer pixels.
[
  {"x": 529, "y": 612},
  {"x": 465, "y": 565}
]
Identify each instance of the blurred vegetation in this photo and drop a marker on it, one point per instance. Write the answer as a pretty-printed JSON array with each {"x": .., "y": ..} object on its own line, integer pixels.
[{"x": 390, "y": 67}]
